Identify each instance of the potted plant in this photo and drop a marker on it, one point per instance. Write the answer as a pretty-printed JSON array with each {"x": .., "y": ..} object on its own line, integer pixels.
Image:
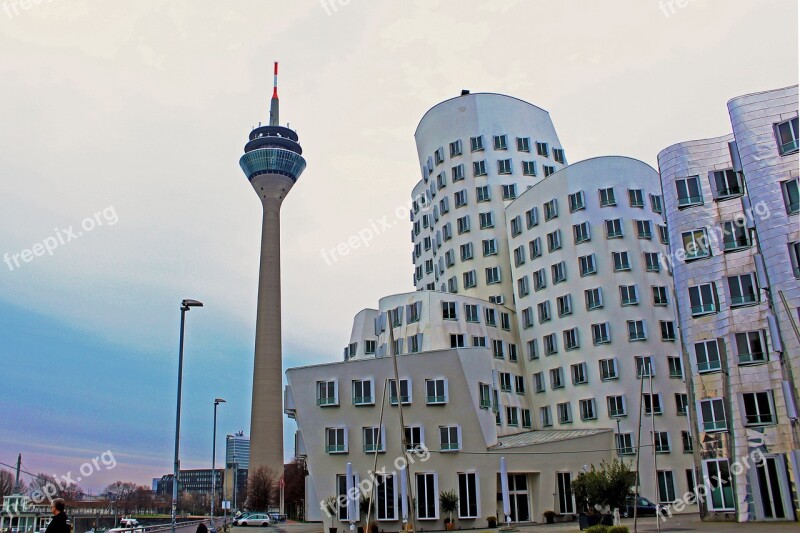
[
  {"x": 448, "y": 501},
  {"x": 491, "y": 520},
  {"x": 549, "y": 517},
  {"x": 598, "y": 491},
  {"x": 329, "y": 505}
]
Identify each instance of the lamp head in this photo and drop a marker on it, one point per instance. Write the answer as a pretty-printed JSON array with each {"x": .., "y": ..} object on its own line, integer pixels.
[
  {"x": 186, "y": 304},
  {"x": 218, "y": 401}
]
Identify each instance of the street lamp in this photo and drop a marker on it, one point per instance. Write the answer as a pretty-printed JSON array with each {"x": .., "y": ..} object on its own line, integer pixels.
[
  {"x": 185, "y": 306},
  {"x": 217, "y": 401}
]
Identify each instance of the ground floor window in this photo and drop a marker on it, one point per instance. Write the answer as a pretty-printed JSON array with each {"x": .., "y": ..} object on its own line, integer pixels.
[
  {"x": 468, "y": 495},
  {"x": 717, "y": 471},
  {"x": 386, "y": 498},
  {"x": 566, "y": 504},
  {"x": 666, "y": 486},
  {"x": 341, "y": 493},
  {"x": 427, "y": 499}
]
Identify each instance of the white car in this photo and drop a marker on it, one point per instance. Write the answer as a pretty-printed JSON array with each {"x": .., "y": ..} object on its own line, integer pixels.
[{"x": 255, "y": 519}]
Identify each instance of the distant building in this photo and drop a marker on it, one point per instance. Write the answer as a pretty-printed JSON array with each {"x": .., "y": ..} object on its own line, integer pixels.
[
  {"x": 237, "y": 451},
  {"x": 194, "y": 481}
]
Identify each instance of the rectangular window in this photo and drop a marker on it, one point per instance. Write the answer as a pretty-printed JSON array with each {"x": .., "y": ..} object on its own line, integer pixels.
[
  {"x": 787, "y": 135},
  {"x": 564, "y": 413},
  {"x": 743, "y": 290},
  {"x": 621, "y": 261},
  {"x": 535, "y": 248},
  {"x": 516, "y": 226},
  {"x": 687, "y": 444},
  {"x": 660, "y": 296},
  {"x": 651, "y": 261},
  {"x": 707, "y": 356},
  {"x": 735, "y": 235},
  {"x": 681, "y": 404},
  {"x": 532, "y": 217},
  {"x": 489, "y": 247},
  {"x": 509, "y": 191},
  {"x": 435, "y": 391},
  {"x": 594, "y": 298},
  {"x": 362, "y": 392},
  {"x": 559, "y": 272},
  {"x": 696, "y": 244},
  {"x": 722, "y": 496},
  {"x": 636, "y": 197},
  {"x": 712, "y": 415},
  {"x": 663, "y": 234},
  {"x": 581, "y": 232},
  {"x": 414, "y": 344},
  {"x": 405, "y": 392},
  {"x": 579, "y": 374},
  {"x": 656, "y": 204},
  {"x": 750, "y": 347},
  {"x": 550, "y": 344},
  {"x": 491, "y": 317},
  {"x": 519, "y": 384},
  {"x": 587, "y": 264},
  {"x": 636, "y": 330},
  {"x": 466, "y": 251},
  {"x": 335, "y": 440},
  {"x": 460, "y": 198},
  {"x": 652, "y": 403},
  {"x": 533, "y": 344},
  {"x": 526, "y": 418},
  {"x": 485, "y": 395},
  {"x": 545, "y": 416},
  {"x": 449, "y": 440},
  {"x": 468, "y": 495},
  {"x": 571, "y": 339},
  {"x": 588, "y": 410},
  {"x": 616, "y": 406},
  {"x": 556, "y": 378},
  {"x": 703, "y": 299},
  {"x": 449, "y": 311},
  {"x": 558, "y": 155},
  {"x": 667, "y": 330},
  {"x": 548, "y": 170},
  {"x": 554, "y": 241},
  {"x": 327, "y": 393},
  {"x": 689, "y": 191},
  {"x": 492, "y": 275},
  {"x": 544, "y": 311},
  {"x": 427, "y": 498},
  {"x": 564, "y": 305},
  {"x": 373, "y": 440},
  {"x": 386, "y": 498},
  {"x": 661, "y": 442},
  {"x": 519, "y": 256},
  {"x": 726, "y": 184},
  {"x": 529, "y": 168},
  {"x": 607, "y": 197},
  {"x": 542, "y": 149},
  {"x": 483, "y": 194},
  {"x": 457, "y": 173},
  {"x": 758, "y": 408},
  {"x": 476, "y": 143},
  {"x": 539, "y": 280},
  {"x": 455, "y": 148},
  {"x": 523, "y": 287},
  {"x": 666, "y": 487},
  {"x": 497, "y": 351},
  {"x": 504, "y": 166},
  {"x": 608, "y": 369},
  {"x": 576, "y": 201},
  {"x": 551, "y": 209},
  {"x": 471, "y": 313},
  {"x": 479, "y": 342},
  {"x": 614, "y": 229},
  {"x": 644, "y": 229},
  {"x": 523, "y": 144},
  {"x": 601, "y": 333},
  {"x": 457, "y": 340},
  {"x": 462, "y": 224},
  {"x": 675, "y": 367},
  {"x": 479, "y": 168},
  {"x": 628, "y": 295},
  {"x": 644, "y": 366},
  {"x": 624, "y": 443},
  {"x": 512, "y": 416},
  {"x": 500, "y": 142}
]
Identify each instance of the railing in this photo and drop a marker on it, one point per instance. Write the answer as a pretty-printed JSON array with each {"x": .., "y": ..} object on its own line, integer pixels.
[
  {"x": 687, "y": 201},
  {"x": 335, "y": 448},
  {"x": 709, "y": 366},
  {"x": 744, "y": 300},
  {"x": 326, "y": 401},
  {"x": 703, "y": 309},
  {"x": 449, "y": 447},
  {"x": 434, "y": 399},
  {"x": 362, "y": 400}
]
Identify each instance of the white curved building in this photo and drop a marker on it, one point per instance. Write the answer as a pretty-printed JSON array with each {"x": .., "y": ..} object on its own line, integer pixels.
[
  {"x": 596, "y": 316},
  {"x": 732, "y": 207}
]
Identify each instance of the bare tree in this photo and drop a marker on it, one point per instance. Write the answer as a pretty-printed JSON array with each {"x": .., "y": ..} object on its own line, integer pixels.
[
  {"x": 6, "y": 483},
  {"x": 122, "y": 492},
  {"x": 262, "y": 488},
  {"x": 55, "y": 488}
]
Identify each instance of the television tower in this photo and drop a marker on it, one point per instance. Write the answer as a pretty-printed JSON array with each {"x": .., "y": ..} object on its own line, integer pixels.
[{"x": 272, "y": 162}]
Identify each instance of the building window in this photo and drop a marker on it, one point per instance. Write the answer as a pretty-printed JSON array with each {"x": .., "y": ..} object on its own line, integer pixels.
[
  {"x": 787, "y": 134},
  {"x": 414, "y": 344},
  {"x": 374, "y": 440},
  {"x": 435, "y": 391},
  {"x": 703, "y": 299},
  {"x": 523, "y": 144},
  {"x": 516, "y": 226},
  {"x": 564, "y": 413},
  {"x": 579, "y": 374},
  {"x": 460, "y": 198},
  {"x": 509, "y": 191},
  {"x": 512, "y": 416},
  {"x": 539, "y": 280},
  {"x": 722, "y": 497},
  {"x": 663, "y": 234},
  {"x": 405, "y": 391},
  {"x": 327, "y": 393},
  {"x": 666, "y": 486},
  {"x": 636, "y": 330},
  {"x": 476, "y": 143},
  {"x": 601, "y": 333},
  {"x": 667, "y": 330},
  {"x": 624, "y": 443},
  {"x": 712, "y": 415},
  {"x": 689, "y": 191},
  {"x": 544, "y": 311},
  {"x": 675, "y": 367},
  {"x": 500, "y": 142},
  {"x": 489, "y": 247},
  {"x": 538, "y": 382},
  {"x": 791, "y": 196},
  {"x": 468, "y": 495},
  {"x": 449, "y": 438},
  {"x": 558, "y": 155},
  {"x": 608, "y": 369},
  {"x": 479, "y": 342},
  {"x": 470, "y": 279},
  {"x": 492, "y": 275},
  {"x": 587, "y": 264},
  {"x": 455, "y": 148},
  {"x": 449, "y": 311},
  {"x": 369, "y": 347},
  {"x": 636, "y": 198},
  {"x": 551, "y": 209},
  {"x": 491, "y": 317},
  {"x": 581, "y": 232},
  {"x": 519, "y": 384},
  {"x": 656, "y": 203},
  {"x": 526, "y": 418},
  {"x": 457, "y": 173},
  {"x": 571, "y": 339},
  {"x": 614, "y": 229},
  {"x": 559, "y": 272},
  {"x": 758, "y": 408},
  {"x": 485, "y": 395},
  {"x": 607, "y": 197},
  {"x": 545, "y": 416},
  {"x": 660, "y": 296},
  {"x": 616, "y": 406},
  {"x": 644, "y": 366},
  {"x": 564, "y": 305},
  {"x": 457, "y": 340},
  {"x": 726, "y": 184},
  {"x": 523, "y": 287},
  {"x": 532, "y": 217},
  {"x": 661, "y": 442},
  {"x": 681, "y": 404},
  {"x": 794, "y": 255},
  {"x": 556, "y": 378},
  {"x": 527, "y": 318},
  {"x": 542, "y": 149},
  {"x": 621, "y": 261},
  {"x": 707, "y": 356},
  {"x": 652, "y": 403},
  {"x": 750, "y": 347},
  {"x": 529, "y": 168},
  {"x": 497, "y": 351},
  {"x": 695, "y": 244},
  {"x": 483, "y": 194},
  {"x": 466, "y": 251},
  {"x": 628, "y": 295},
  {"x": 588, "y": 410},
  {"x": 644, "y": 229},
  {"x": 387, "y": 493},
  {"x": 427, "y": 495},
  {"x": 743, "y": 290},
  {"x": 550, "y": 344},
  {"x": 594, "y": 298},
  {"x": 504, "y": 166},
  {"x": 479, "y": 168},
  {"x": 576, "y": 201},
  {"x": 362, "y": 392},
  {"x": 651, "y": 261},
  {"x": 554, "y": 241},
  {"x": 735, "y": 235},
  {"x": 335, "y": 440}
]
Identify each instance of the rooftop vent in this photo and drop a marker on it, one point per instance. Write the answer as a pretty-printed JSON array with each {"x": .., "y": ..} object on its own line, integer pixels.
[{"x": 464, "y": 92}]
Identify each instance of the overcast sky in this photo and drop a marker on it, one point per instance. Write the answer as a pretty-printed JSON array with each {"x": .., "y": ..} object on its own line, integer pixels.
[{"x": 138, "y": 112}]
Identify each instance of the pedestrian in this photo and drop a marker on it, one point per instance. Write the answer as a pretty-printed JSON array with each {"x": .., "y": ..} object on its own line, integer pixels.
[
  {"x": 201, "y": 528},
  {"x": 60, "y": 522}
]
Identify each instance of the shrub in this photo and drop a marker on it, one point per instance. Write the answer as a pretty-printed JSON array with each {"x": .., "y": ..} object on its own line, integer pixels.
[
  {"x": 608, "y": 486},
  {"x": 618, "y": 529},
  {"x": 597, "y": 529}
]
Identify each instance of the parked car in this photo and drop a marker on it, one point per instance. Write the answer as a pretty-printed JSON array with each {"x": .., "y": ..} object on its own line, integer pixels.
[
  {"x": 255, "y": 519},
  {"x": 644, "y": 507}
]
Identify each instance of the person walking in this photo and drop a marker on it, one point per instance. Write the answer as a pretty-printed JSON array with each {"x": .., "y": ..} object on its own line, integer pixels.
[{"x": 60, "y": 522}]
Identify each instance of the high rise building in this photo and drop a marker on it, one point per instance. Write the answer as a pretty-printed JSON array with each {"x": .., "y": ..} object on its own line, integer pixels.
[
  {"x": 542, "y": 330},
  {"x": 237, "y": 450},
  {"x": 732, "y": 205},
  {"x": 272, "y": 162}
]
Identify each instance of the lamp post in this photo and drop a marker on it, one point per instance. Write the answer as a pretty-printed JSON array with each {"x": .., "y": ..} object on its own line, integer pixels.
[
  {"x": 217, "y": 401},
  {"x": 185, "y": 306}
]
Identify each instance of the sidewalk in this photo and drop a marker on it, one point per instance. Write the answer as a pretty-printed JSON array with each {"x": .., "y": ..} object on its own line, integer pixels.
[{"x": 689, "y": 522}]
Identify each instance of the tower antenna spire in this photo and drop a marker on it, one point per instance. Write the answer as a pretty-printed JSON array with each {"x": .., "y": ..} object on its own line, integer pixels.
[{"x": 274, "y": 104}]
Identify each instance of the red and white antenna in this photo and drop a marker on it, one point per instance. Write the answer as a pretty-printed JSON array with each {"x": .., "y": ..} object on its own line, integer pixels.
[{"x": 273, "y": 107}]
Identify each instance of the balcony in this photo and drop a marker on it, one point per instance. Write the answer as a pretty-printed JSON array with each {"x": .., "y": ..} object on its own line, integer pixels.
[
  {"x": 698, "y": 253},
  {"x": 363, "y": 400},
  {"x": 705, "y": 309},
  {"x": 709, "y": 366},
  {"x": 335, "y": 448},
  {"x": 327, "y": 402},
  {"x": 689, "y": 201},
  {"x": 450, "y": 447},
  {"x": 739, "y": 301},
  {"x": 435, "y": 400}
]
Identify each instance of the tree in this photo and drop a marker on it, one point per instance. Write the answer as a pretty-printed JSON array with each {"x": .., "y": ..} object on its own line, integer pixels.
[
  {"x": 448, "y": 501},
  {"x": 51, "y": 487},
  {"x": 6, "y": 483},
  {"x": 607, "y": 487},
  {"x": 122, "y": 493},
  {"x": 294, "y": 488},
  {"x": 262, "y": 489}
]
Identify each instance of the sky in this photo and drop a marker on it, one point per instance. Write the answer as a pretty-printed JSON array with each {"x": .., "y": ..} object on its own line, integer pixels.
[{"x": 122, "y": 125}]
